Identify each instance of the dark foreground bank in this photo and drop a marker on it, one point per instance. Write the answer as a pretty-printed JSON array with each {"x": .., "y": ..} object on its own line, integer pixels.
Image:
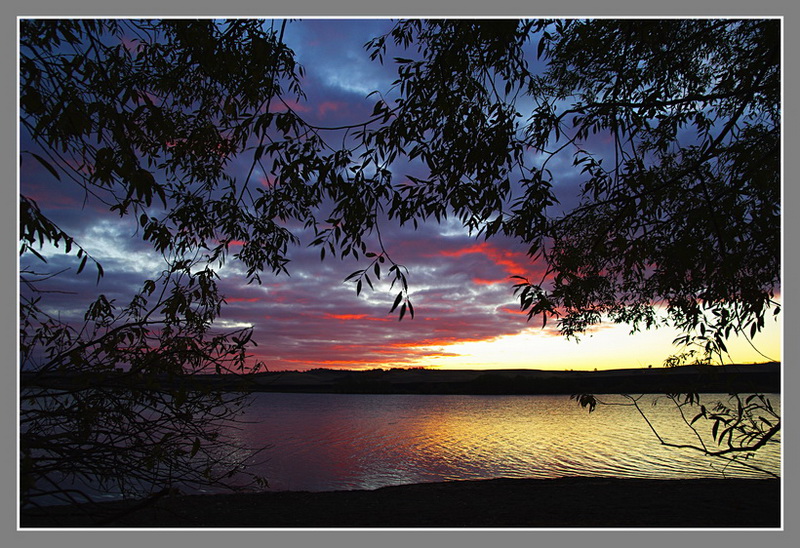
[{"x": 523, "y": 503}]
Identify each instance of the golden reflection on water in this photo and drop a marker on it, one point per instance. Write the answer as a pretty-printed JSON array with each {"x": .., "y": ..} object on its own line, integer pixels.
[{"x": 338, "y": 441}]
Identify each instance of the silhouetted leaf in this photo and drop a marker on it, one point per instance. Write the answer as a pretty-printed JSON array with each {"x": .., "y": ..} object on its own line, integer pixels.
[
  {"x": 47, "y": 165},
  {"x": 396, "y": 302},
  {"x": 195, "y": 447}
]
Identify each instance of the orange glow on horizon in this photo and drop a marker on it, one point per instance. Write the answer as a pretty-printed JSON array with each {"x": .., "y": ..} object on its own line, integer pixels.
[{"x": 608, "y": 347}]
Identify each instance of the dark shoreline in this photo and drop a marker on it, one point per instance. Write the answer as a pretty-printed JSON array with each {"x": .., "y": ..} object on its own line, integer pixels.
[
  {"x": 563, "y": 503},
  {"x": 728, "y": 379}
]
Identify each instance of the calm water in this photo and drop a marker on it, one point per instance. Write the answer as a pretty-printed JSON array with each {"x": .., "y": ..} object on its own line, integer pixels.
[{"x": 325, "y": 442}]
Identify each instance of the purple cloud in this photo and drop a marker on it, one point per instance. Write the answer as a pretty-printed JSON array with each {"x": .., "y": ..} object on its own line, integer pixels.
[{"x": 460, "y": 285}]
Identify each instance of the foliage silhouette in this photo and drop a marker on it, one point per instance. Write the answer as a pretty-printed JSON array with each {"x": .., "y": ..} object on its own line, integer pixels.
[
  {"x": 676, "y": 134},
  {"x": 140, "y": 129},
  {"x": 681, "y": 210}
]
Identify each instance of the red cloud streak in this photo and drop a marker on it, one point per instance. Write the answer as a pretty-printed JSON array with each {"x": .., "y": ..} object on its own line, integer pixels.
[{"x": 512, "y": 262}]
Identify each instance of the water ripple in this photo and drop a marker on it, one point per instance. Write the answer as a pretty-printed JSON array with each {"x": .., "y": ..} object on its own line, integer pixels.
[{"x": 324, "y": 442}]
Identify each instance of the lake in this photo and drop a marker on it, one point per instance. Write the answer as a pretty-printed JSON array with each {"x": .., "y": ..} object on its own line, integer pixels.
[{"x": 322, "y": 442}]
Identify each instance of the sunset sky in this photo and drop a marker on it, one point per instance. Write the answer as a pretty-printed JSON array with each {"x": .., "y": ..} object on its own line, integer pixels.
[{"x": 466, "y": 313}]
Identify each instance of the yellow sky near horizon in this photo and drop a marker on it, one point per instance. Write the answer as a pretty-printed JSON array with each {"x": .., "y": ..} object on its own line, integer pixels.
[{"x": 610, "y": 347}]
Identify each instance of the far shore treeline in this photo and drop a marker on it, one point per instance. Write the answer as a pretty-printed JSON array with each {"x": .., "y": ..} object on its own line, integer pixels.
[{"x": 752, "y": 378}]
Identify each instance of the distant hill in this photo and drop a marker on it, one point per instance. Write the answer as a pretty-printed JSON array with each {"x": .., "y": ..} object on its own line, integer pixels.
[
  {"x": 764, "y": 378},
  {"x": 760, "y": 378}
]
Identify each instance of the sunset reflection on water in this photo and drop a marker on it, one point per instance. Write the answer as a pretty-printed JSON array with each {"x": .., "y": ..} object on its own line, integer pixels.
[{"x": 323, "y": 442}]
